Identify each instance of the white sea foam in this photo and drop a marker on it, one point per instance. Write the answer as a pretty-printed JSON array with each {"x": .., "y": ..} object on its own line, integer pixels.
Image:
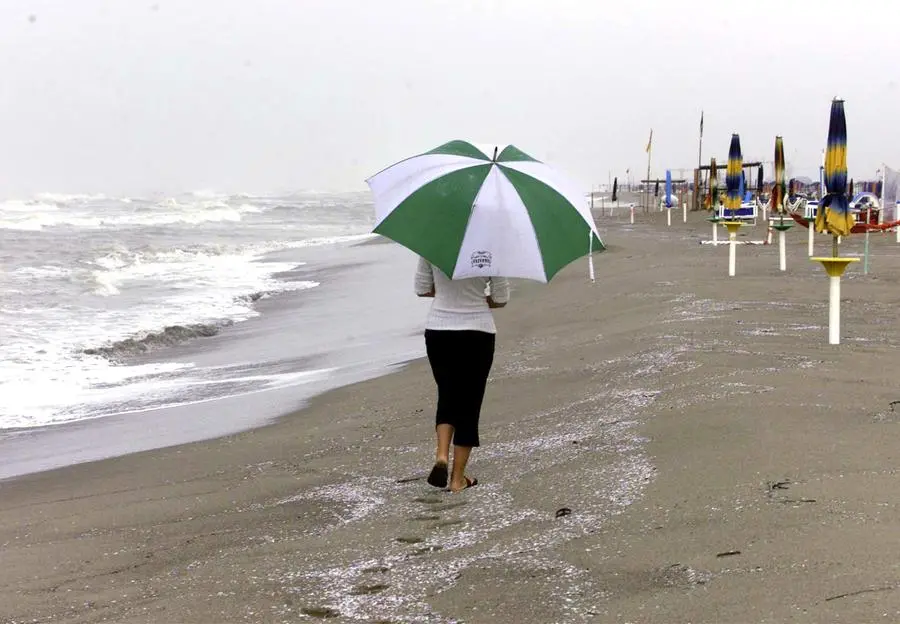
[
  {"x": 40, "y": 272},
  {"x": 116, "y": 277},
  {"x": 44, "y": 374},
  {"x": 36, "y": 216},
  {"x": 62, "y": 198}
]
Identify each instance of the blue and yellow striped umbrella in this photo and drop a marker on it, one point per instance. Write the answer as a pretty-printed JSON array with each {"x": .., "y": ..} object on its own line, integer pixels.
[
  {"x": 834, "y": 213},
  {"x": 668, "y": 188},
  {"x": 733, "y": 175},
  {"x": 778, "y": 190},
  {"x": 713, "y": 185}
]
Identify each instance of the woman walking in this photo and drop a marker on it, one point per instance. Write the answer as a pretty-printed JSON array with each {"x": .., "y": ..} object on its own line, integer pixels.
[{"x": 459, "y": 341}]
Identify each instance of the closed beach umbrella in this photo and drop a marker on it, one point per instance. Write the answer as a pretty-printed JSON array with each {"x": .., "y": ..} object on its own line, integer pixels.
[
  {"x": 734, "y": 175},
  {"x": 713, "y": 185},
  {"x": 759, "y": 181},
  {"x": 850, "y": 189},
  {"x": 835, "y": 217},
  {"x": 778, "y": 190},
  {"x": 668, "y": 189},
  {"x": 615, "y": 194},
  {"x": 656, "y": 189},
  {"x": 484, "y": 211}
]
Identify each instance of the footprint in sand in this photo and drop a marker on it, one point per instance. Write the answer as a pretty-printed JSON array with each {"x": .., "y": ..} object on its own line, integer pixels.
[
  {"x": 409, "y": 540},
  {"x": 367, "y": 590},
  {"x": 428, "y": 500},
  {"x": 425, "y": 518},
  {"x": 320, "y": 612},
  {"x": 448, "y": 506},
  {"x": 446, "y": 523}
]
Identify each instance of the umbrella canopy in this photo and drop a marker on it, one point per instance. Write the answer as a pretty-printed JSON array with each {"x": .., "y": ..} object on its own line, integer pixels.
[
  {"x": 850, "y": 189},
  {"x": 734, "y": 175},
  {"x": 713, "y": 185},
  {"x": 656, "y": 189},
  {"x": 481, "y": 212},
  {"x": 778, "y": 190},
  {"x": 615, "y": 194},
  {"x": 668, "y": 189},
  {"x": 759, "y": 180},
  {"x": 834, "y": 214}
]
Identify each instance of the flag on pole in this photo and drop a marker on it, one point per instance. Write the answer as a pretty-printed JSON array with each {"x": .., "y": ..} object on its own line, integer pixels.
[
  {"x": 650, "y": 142},
  {"x": 701, "y": 124}
]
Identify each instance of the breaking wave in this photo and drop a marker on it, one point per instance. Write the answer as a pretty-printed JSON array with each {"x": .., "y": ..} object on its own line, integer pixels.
[{"x": 168, "y": 337}]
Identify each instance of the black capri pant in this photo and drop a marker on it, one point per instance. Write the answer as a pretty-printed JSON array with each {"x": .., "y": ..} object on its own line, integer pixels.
[{"x": 460, "y": 361}]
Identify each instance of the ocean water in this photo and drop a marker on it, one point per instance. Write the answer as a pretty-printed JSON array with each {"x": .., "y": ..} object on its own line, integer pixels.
[{"x": 96, "y": 292}]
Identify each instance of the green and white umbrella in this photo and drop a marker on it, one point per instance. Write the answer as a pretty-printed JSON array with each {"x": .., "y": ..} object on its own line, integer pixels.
[{"x": 484, "y": 211}]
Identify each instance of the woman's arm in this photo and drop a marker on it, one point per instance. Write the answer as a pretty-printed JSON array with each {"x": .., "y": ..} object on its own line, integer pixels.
[
  {"x": 499, "y": 296},
  {"x": 424, "y": 282}
]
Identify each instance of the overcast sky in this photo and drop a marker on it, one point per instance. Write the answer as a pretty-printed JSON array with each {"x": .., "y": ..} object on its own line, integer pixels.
[{"x": 133, "y": 96}]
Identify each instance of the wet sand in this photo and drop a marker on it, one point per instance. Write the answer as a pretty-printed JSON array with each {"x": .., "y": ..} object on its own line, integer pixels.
[{"x": 666, "y": 445}]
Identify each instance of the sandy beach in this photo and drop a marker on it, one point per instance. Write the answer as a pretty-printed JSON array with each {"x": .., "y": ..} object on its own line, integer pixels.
[{"x": 665, "y": 445}]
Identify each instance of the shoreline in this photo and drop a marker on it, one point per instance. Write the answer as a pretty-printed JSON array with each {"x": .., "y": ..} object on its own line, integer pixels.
[
  {"x": 720, "y": 462},
  {"x": 311, "y": 362}
]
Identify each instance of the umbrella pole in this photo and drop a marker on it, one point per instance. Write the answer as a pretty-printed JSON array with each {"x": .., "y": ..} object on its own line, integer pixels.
[
  {"x": 866, "y": 255},
  {"x": 632, "y": 214},
  {"x": 669, "y": 217},
  {"x": 835, "y": 267},
  {"x": 782, "y": 256},
  {"x": 684, "y": 212},
  {"x": 809, "y": 242},
  {"x": 834, "y": 310},
  {"x": 732, "y": 249},
  {"x": 591, "y": 254},
  {"x": 732, "y": 227},
  {"x": 715, "y": 234}
]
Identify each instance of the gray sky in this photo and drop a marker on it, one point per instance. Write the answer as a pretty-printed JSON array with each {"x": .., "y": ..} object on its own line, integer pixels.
[{"x": 133, "y": 96}]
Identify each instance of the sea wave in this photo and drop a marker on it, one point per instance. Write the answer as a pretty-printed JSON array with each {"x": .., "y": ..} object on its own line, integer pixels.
[
  {"x": 202, "y": 266},
  {"x": 64, "y": 198},
  {"x": 43, "y": 272},
  {"x": 151, "y": 341},
  {"x": 96, "y": 292},
  {"x": 117, "y": 213}
]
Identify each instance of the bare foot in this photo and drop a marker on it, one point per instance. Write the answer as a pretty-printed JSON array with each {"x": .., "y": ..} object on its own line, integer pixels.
[{"x": 459, "y": 487}]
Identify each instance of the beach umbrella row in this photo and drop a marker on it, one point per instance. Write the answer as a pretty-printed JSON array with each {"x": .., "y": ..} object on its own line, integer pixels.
[{"x": 833, "y": 215}]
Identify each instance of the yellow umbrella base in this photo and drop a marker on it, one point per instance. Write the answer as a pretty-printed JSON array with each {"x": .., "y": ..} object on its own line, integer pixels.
[{"x": 835, "y": 267}]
